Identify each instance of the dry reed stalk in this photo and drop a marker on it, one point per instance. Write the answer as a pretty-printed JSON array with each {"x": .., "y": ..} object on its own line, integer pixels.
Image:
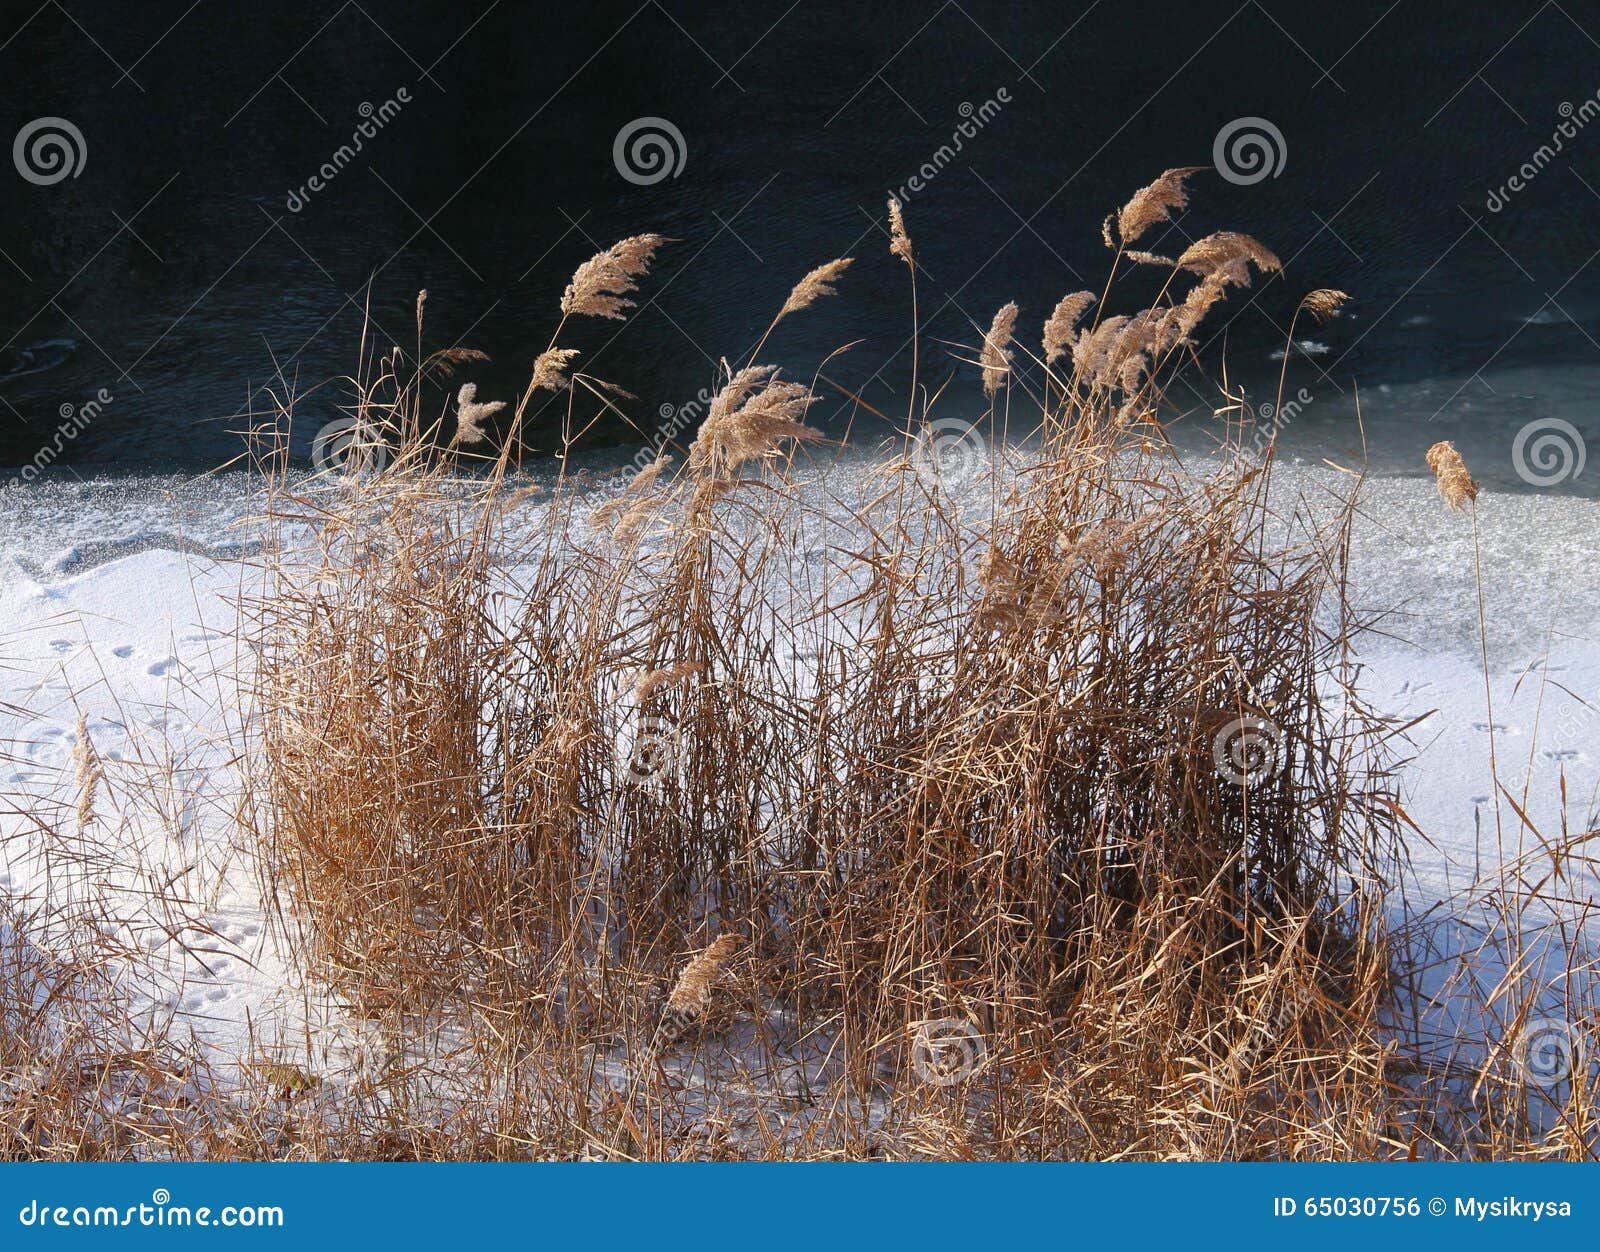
[
  {"x": 940, "y": 751},
  {"x": 89, "y": 774}
]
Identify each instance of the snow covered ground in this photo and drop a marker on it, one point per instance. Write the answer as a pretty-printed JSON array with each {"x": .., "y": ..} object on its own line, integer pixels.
[{"x": 117, "y": 604}]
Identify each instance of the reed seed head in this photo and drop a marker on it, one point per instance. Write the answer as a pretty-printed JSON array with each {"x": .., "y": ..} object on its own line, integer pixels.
[
  {"x": 1061, "y": 331},
  {"x": 818, "y": 283},
  {"x": 899, "y": 241},
  {"x": 692, "y": 992},
  {"x": 666, "y": 678},
  {"x": 89, "y": 775},
  {"x": 1227, "y": 256},
  {"x": 599, "y": 286},
  {"x": 1456, "y": 485},
  {"x": 1154, "y": 204},
  {"x": 550, "y": 369},
  {"x": 1324, "y": 303},
  {"x": 996, "y": 355},
  {"x": 749, "y": 418},
  {"x": 470, "y": 415}
]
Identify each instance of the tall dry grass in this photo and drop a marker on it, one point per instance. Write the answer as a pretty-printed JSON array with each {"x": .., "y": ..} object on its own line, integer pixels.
[
  {"x": 1052, "y": 756},
  {"x": 970, "y": 801}
]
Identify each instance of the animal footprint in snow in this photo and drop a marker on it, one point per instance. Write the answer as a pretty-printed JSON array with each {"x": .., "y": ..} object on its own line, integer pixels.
[{"x": 162, "y": 667}]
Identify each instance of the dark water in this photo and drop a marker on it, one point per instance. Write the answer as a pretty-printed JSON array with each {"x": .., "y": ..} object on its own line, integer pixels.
[{"x": 187, "y": 272}]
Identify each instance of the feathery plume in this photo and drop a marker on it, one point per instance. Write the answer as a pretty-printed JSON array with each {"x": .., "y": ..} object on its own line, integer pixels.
[
  {"x": 470, "y": 415},
  {"x": 422, "y": 299},
  {"x": 1324, "y": 303},
  {"x": 89, "y": 775},
  {"x": 996, "y": 355},
  {"x": 1125, "y": 359},
  {"x": 599, "y": 285},
  {"x": 605, "y": 515},
  {"x": 634, "y": 505},
  {"x": 648, "y": 475},
  {"x": 633, "y": 517},
  {"x": 692, "y": 991},
  {"x": 659, "y": 680},
  {"x": 899, "y": 241},
  {"x": 1227, "y": 256},
  {"x": 444, "y": 363},
  {"x": 1181, "y": 321},
  {"x": 1006, "y": 592},
  {"x": 1131, "y": 372},
  {"x": 1154, "y": 204},
  {"x": 550, "y": 369},
  {"x": 814, "y": 286},
  {"x": 691, "y": 994},
  {"x": 748, "y": 419},
  {"x": 1061, "y": 331},
  {"x": 1093, "y": 348},
  {"x": 1456, "y": 485}
]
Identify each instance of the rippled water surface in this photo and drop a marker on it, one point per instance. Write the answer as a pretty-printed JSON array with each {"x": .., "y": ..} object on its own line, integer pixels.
[{"x": 215, "y": 251}]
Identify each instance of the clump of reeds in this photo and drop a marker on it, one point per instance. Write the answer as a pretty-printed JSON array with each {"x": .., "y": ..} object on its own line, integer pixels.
[
  {"x": 84, "y": 1073},
  {"x": 982, "y": 764}
]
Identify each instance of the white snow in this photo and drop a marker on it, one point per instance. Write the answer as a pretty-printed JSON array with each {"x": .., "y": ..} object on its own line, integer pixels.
[{"x": 117, "y": 602}]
